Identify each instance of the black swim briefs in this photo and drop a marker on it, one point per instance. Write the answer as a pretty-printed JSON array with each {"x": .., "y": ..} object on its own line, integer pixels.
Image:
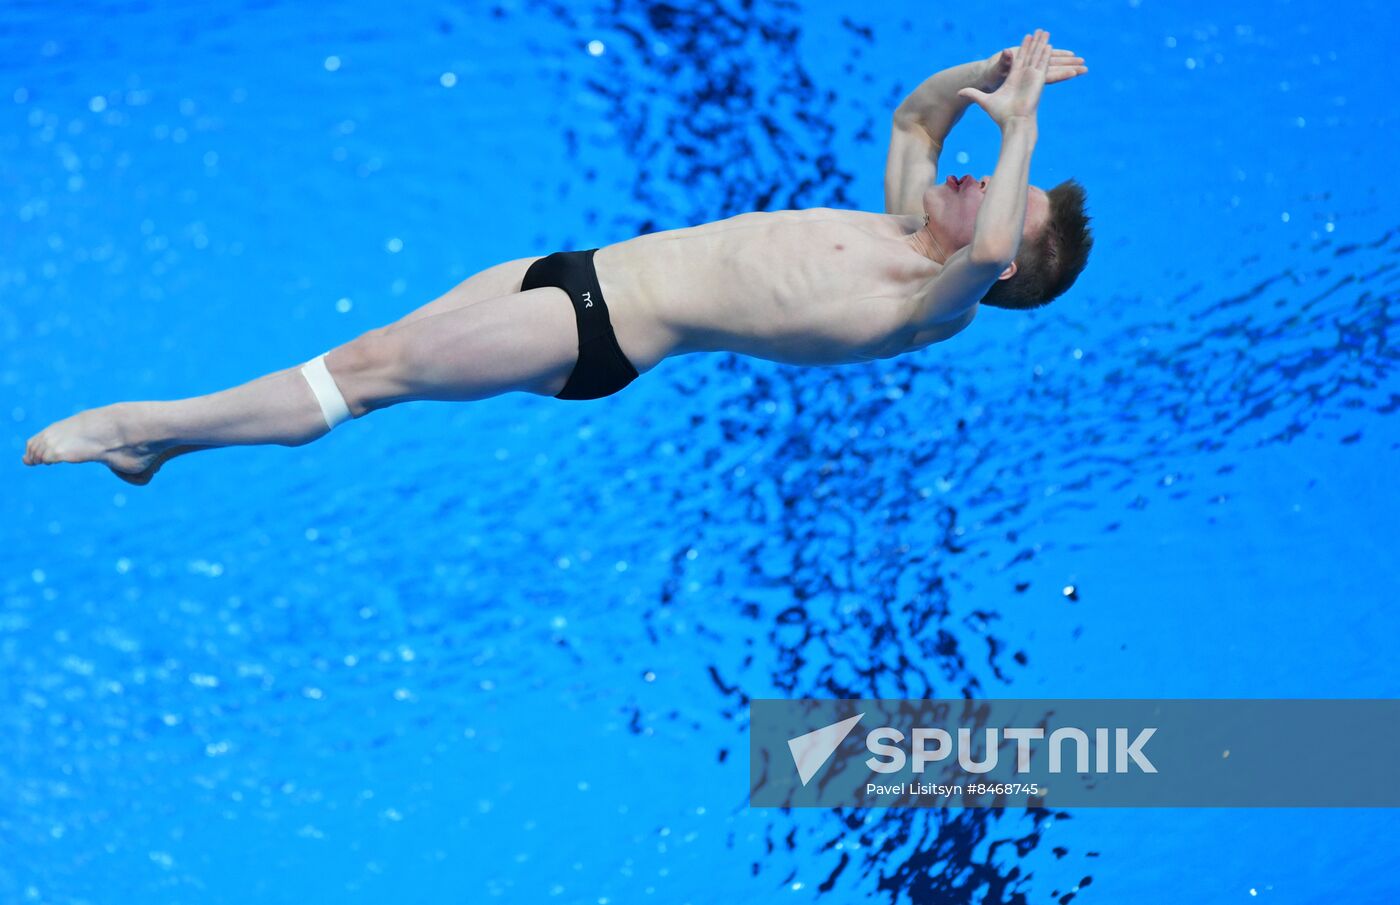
[{"x": 602, "y": 368}]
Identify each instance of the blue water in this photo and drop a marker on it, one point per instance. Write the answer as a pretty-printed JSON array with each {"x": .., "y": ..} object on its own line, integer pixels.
[{"x": 504, "y": 650}]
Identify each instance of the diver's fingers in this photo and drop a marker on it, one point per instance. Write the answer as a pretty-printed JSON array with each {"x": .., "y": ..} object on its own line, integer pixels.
[
  {"x": 1023, "y": 56},
  {"x": 1042, "y": 51}
]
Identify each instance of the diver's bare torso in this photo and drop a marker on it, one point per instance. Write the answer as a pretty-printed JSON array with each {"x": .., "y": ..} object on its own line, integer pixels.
[{"x": 812, "y": 287}]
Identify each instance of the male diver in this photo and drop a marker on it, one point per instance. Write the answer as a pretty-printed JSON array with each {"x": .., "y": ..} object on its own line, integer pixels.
[{"x": 811, "y": 287}]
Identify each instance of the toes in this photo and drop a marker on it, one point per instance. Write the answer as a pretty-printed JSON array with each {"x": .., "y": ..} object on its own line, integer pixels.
[
  {"x": 39, "y": 452},
  {"x": 38, "y": 447}
]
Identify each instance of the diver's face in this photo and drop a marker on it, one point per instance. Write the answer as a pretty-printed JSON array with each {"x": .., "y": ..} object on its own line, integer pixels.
[{"x": 952, "y": 207}]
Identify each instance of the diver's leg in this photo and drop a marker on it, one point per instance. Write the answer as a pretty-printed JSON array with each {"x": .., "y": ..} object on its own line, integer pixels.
[
  {"x": 135, "y": 439},
  {"x": 493, "y": 282},
  {"x": 527, "y": 341}
]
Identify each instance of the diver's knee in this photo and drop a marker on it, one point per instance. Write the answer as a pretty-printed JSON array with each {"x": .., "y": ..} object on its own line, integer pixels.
[
  {"x": 368, "y": 369},
  {"x": 369, "y": 353}
]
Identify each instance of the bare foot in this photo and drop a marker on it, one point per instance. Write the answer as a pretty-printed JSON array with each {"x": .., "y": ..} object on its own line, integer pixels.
[{"x": 102, "y": 435}]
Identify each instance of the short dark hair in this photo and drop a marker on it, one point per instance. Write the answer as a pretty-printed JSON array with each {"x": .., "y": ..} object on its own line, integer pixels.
[{"x": 1050, "y": 263}]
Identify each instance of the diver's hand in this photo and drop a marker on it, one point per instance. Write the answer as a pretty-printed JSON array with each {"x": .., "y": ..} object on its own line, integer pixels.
[
  {"x": 1064, "y": 65},
  {"x": 1018, "y": 96}
]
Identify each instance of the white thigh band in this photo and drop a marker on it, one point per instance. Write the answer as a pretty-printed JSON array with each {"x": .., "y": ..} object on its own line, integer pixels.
[{"x": 318, "y": 377}]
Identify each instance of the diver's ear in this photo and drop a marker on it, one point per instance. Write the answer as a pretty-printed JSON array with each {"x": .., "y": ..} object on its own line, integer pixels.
[{"x": 1009, "y": 272}]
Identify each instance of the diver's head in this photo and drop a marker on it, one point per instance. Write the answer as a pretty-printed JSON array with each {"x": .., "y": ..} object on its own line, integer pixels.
[{"x": 1054, "y": 246}]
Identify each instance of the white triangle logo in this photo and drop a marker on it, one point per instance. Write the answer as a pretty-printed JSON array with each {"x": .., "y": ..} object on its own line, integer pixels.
[{"x": 811, "y": 751}]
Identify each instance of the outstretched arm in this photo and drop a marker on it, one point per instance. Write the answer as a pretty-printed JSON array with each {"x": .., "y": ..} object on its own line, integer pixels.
[
  {"x": 971, "y": 271},
  {"x": 1001, "y": 219},
  {"x": 923, "y": 120}
]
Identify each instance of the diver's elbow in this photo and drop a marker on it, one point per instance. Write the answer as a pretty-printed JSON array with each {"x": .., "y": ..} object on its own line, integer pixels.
[{"x": 992, "y": 253}]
